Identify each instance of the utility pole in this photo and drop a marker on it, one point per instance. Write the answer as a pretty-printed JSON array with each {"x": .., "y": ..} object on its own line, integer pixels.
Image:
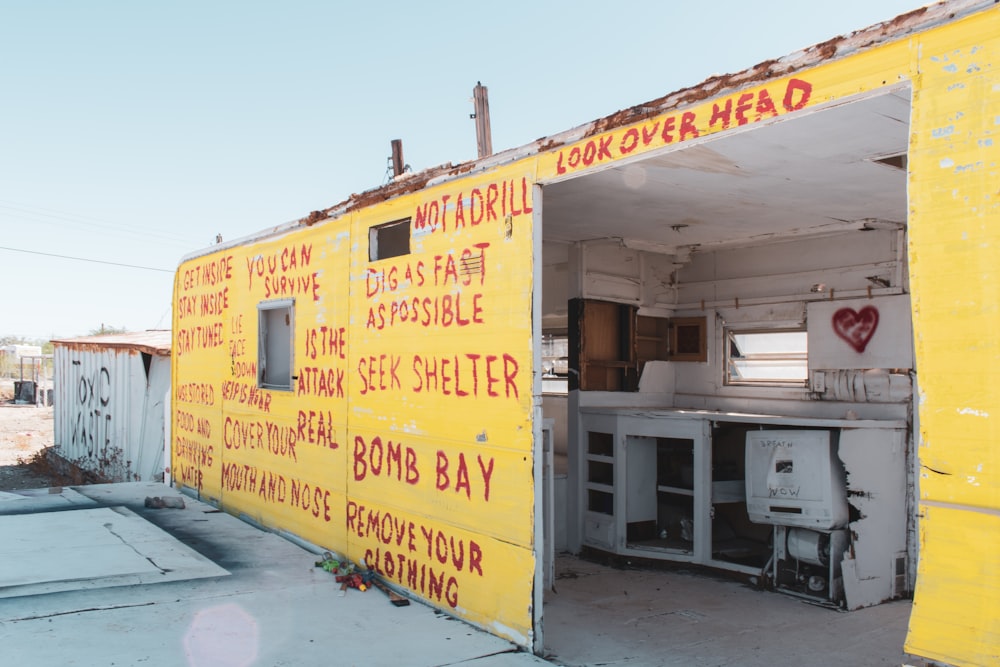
[{"x": 484, "y": 140}]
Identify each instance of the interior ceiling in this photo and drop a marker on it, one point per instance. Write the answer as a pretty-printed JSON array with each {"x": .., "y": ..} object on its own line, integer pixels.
[{"x": 805, "y": 175}]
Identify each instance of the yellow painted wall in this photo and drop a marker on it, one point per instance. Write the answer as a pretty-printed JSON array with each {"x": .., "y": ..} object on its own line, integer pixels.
[
  {"x": 954, "y": 225},
  {"x": 407, "y": 440},
  {"x": 415, "y": 452},
  {"x": 954, "y": 244}
]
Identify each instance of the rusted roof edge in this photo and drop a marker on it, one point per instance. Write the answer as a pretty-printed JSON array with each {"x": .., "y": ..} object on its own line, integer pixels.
[
  {"x": 98, "y": 347},
  {"x": 155, "y": 342}
]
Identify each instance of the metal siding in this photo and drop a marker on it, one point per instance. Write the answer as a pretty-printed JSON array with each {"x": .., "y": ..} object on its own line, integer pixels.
[{"x": 104, "y": 421}]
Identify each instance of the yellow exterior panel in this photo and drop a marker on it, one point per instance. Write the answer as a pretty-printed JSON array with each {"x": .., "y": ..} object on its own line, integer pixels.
[
  {"x": 441, "y": 388},
  {"x": 201, "y": 299},
  {"x": 954, "y": 223},
  {"x": 956, "y": 613},
  {"x": 953, "y": 235},
  {"x": 410, "y": 392},
  {"x": 481, "y": 579},
  {"x": 479, "y": 488}
]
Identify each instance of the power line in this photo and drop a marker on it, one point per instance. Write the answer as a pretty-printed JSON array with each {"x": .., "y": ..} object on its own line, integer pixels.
[
  {"x": 75, "y": 219},
  {"x": 85, "y": 259}
]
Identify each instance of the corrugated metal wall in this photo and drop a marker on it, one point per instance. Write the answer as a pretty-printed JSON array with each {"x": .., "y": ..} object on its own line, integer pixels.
[{"x": 109, "y": 411}]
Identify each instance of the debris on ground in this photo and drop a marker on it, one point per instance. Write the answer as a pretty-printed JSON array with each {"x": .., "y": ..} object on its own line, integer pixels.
[
  {"x": 158, "y": 503},
  {"x": 349, "y": 575}
]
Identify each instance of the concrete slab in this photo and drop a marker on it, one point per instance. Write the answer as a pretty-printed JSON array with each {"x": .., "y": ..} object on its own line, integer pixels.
[
  {"x": 275, "y": 608},
  {"x": 91, "y": 548},
  {"x": 37, "y": 500}
]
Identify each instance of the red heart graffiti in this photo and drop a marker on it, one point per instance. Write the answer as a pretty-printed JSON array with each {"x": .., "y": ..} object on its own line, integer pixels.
[{"x": 856, "y": 327}]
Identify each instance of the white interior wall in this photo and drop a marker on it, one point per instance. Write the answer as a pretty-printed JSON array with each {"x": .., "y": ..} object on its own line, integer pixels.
[
  {"x": 555, "y": 285},
  {"x": 779, "y": 283},
  {"x": 769, "y": 284}
]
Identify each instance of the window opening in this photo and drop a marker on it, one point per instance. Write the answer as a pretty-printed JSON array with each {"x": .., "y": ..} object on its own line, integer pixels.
[
  {"x": 274, "y": 344},
  {"x": 555, "y": 362},
  {"x": 389, "y": 240},
  {"x": 777, "y": 357}
]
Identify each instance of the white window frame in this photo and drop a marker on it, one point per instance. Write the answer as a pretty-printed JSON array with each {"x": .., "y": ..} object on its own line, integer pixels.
[
  {"x": 794, "y": 358},
  {"x": 275, "y": 348}
]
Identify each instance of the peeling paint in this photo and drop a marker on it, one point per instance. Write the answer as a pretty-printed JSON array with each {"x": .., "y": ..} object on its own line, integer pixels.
[
  {"x": 876, "y": 485},
  {"x": 974, "y": 412}
]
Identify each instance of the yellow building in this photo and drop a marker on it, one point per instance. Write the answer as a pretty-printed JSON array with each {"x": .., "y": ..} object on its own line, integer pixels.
[{"x": 801, "y": 248}]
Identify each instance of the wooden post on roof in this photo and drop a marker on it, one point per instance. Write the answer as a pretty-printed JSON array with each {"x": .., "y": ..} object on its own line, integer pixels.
[
  {"x": 397, "y": 157},
  {"x": 484, "y": 140}
]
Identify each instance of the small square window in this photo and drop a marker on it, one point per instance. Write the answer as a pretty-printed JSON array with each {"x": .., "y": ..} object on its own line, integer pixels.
[
  {"x": 389, "y": 240},
  {"x": 275, "y": 327},
  {"x": 688, "y": 339},
  {"x": 777, "y": 357}
]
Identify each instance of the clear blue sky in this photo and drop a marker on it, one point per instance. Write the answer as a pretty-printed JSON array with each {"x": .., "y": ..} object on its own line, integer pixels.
[{"x": 134, "y": 132}]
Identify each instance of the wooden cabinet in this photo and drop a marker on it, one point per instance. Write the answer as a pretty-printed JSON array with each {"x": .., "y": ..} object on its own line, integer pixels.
[
  {"x": 602, "y": 346},
  {"x": 652, "y": 340},
  {"x": 610, "y": 344}
]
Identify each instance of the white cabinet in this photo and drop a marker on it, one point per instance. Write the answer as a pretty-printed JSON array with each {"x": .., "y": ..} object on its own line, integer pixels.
[
  {"x": 670, "y": 484},
  {"x": 642, "y": 476}
]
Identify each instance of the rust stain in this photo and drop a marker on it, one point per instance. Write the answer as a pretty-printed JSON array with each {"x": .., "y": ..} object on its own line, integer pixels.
[
  {"x": 708, "y": 88},
  {"x": 153, "y": 342},
  {"x": 764, "y": 71},
  {"x": 313, "y": 218},
  {"x": 903, "y": 19},
  {"x": 378, "y": 195}
]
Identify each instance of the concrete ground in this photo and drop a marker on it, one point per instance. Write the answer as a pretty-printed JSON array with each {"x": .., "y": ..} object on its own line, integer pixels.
[
  {"x": 90, "y": 576},
  {"x": 606, "y": 616},
  {"x": 87, "y": 596}
]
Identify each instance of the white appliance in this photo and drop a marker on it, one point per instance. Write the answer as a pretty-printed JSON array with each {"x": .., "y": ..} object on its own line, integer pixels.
[
  {"x": 796, "y": 483},
  {"x": 794, "y": 478}
]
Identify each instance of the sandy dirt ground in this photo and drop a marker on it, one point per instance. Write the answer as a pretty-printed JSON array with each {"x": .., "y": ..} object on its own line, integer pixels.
[{"x": 25, "y": 431}]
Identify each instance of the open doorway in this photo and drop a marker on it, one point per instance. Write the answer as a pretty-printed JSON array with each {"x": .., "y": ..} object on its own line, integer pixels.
[{"x": 710, "y": 291}]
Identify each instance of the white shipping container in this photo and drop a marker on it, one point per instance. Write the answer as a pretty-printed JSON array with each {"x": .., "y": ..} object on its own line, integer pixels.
[{"x": 110, "y": 393}]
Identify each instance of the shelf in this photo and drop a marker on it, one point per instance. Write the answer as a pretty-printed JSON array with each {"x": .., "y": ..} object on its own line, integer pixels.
[
  {"x": 601, "y": 458},
  {"x": 731, "y": 491},
  {"x": 679, "y": 490},
  {"x": 604, "y": 488}
]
